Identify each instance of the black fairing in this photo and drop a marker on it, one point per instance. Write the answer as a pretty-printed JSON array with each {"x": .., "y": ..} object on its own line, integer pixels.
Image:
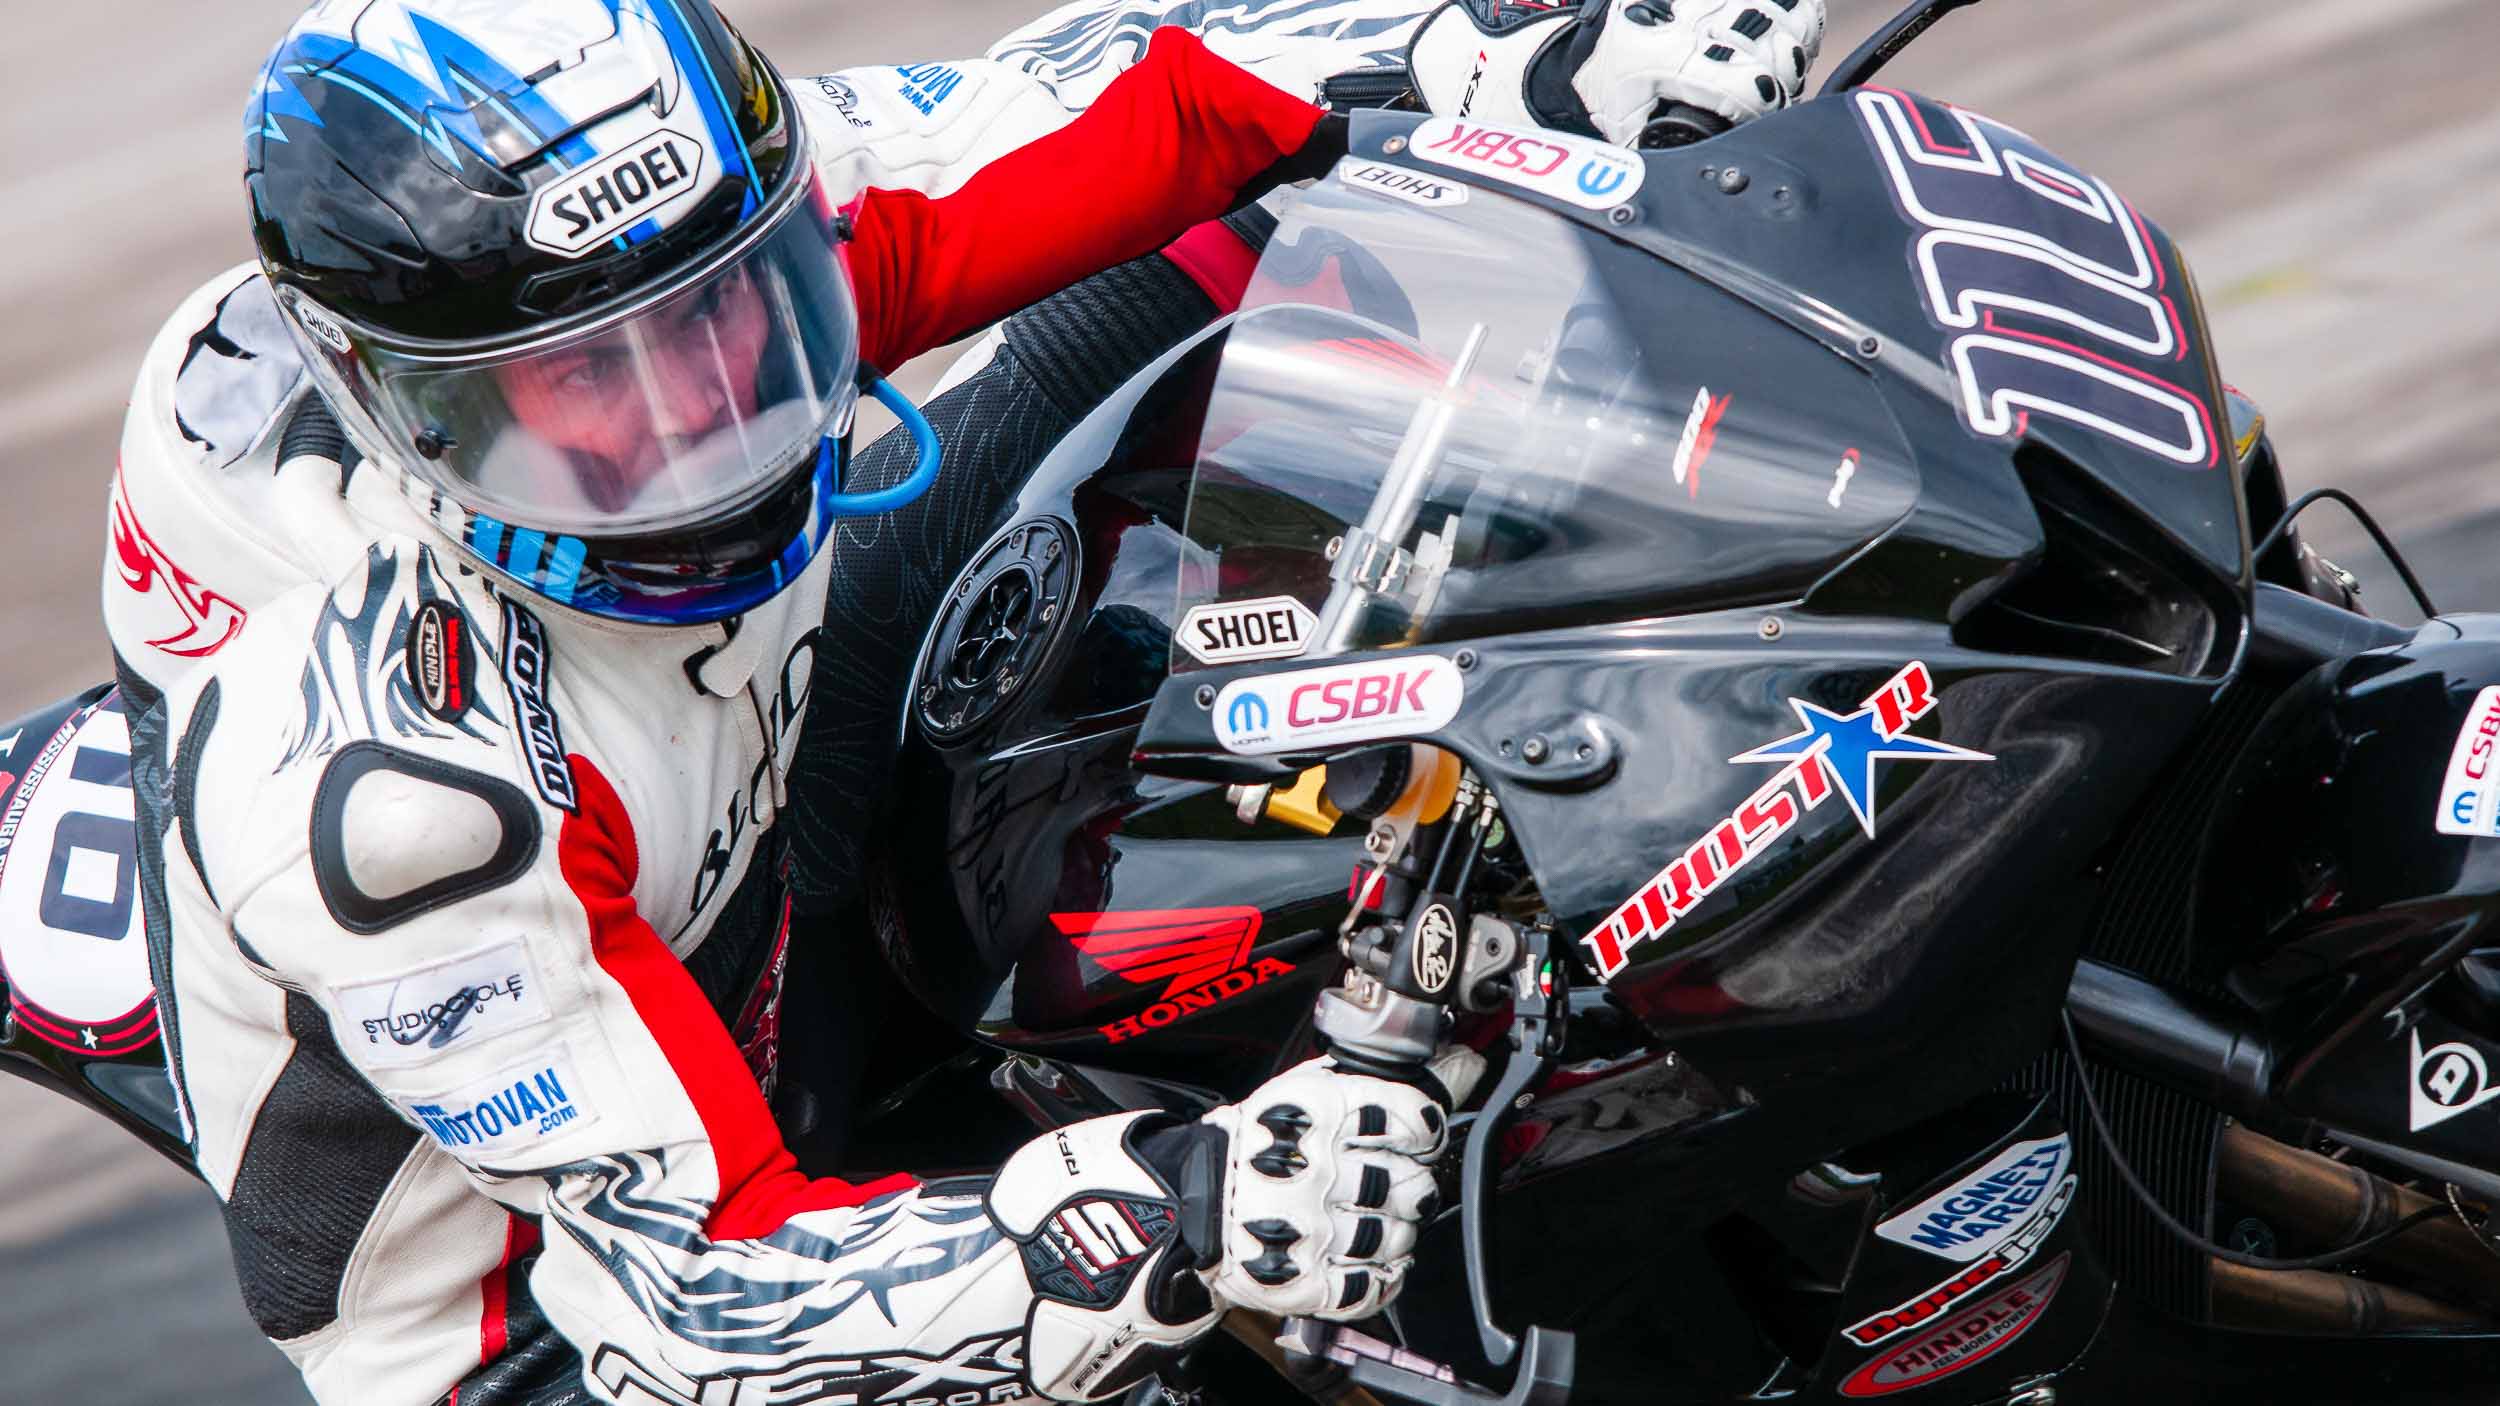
[{"x": 2077, "y": 602}]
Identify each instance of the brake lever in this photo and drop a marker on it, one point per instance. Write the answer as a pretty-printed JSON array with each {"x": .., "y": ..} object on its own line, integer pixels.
[
  {"x": 1539, "y": 990},
  {"x": 1544, "y": 1357}
]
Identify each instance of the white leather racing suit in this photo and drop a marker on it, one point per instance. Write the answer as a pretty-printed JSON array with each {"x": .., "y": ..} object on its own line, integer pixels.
[{"x": 429, "y": 871}]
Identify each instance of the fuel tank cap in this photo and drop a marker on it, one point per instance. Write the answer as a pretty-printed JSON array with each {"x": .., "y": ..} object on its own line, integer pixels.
[{"x": 995, "y": 627}]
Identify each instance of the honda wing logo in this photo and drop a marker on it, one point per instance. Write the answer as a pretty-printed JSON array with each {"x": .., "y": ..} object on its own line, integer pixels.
[{"x": 1198, "y": 956}]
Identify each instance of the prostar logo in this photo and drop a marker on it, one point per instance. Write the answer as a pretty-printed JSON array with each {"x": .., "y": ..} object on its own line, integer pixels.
[
  {"x": 1197, "y": 955},
  {"x": 1835, "y": 752}
]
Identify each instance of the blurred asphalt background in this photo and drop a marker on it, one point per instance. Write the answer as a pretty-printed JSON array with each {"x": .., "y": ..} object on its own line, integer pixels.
[{"x": 2332, "y": 168}]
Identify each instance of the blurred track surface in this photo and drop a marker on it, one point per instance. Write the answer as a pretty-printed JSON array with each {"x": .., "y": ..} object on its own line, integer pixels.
[{"x": 2327, "y": 165}]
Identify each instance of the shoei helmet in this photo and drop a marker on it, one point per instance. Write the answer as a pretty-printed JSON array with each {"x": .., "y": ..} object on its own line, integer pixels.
[{"x": 565, "y": 267}]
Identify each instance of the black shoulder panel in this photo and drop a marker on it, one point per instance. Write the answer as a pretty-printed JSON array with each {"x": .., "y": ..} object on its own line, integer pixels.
[{"x": 361, "y": 912}]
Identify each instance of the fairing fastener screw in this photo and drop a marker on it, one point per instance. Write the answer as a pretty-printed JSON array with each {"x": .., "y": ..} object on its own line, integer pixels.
[
  {"x": 1206, "y": 695},
  {"x": 1533, "y": 751},
  {"x": 1336, "y": 545},
  {"x": 1465, "y": 659},
  {"x": 1870, "y": 346},
  {"x": 1523, "y": 1101},
  {"x": 1621, "y": 214},
  {"x": 1771, "y": 628},
  {"x": 1733, "y": 181},
  {"x": 1394, "y": 145}
]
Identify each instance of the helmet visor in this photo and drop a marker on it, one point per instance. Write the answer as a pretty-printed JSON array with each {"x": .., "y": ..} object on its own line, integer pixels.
[{"x": 689, "y": 404}]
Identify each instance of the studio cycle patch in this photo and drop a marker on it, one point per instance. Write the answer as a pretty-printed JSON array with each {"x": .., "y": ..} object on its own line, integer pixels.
[{"x": 415, "y": 1016}]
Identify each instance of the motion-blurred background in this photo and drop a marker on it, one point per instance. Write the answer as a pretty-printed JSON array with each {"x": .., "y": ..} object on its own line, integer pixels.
[{"x": 2332, "y": 168}]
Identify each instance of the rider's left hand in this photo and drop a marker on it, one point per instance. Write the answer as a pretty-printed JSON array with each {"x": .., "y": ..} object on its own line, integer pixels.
[{"x": 1608, "y": 65}]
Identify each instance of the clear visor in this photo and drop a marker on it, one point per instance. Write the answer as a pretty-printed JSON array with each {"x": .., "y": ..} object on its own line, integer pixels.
[{"x": 663, "y": 415}]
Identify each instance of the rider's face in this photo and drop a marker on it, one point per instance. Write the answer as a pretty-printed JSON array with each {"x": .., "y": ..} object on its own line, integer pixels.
[{"x": 622, "y": 401}]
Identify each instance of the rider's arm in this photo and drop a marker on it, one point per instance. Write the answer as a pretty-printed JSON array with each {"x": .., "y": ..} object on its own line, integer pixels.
[
  {"x": 1076, "y": 50},
  {"x": 1178, "y": 139},
  {"x": 458, "y": 900}
]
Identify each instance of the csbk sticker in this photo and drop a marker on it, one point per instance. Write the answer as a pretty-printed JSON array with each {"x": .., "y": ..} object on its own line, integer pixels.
[
  {"x": 1902, "y": 1317},
  {"x": 1311, "y": 708},
  {"x": 2468, "y": 802},
  {"x": 616, "y": 192},
  {"x": 1835, "y": 754},
  {"x": 1200, "y": 956},
  {"x": 1964, "y": 1339},
  {"x": 1239, "y": 632},
  {"x": 1985, "y": 1209},
  {"x": 1577, "y": 170}
]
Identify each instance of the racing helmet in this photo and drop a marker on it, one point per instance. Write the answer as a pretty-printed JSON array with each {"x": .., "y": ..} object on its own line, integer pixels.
[{"x": 566, "y": 268}]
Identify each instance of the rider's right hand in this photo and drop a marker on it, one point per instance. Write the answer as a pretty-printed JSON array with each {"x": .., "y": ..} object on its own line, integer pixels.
[{"x": 1303, "y": 1199}]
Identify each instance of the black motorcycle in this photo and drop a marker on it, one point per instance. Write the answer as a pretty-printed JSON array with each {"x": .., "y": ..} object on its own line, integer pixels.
[{"x": 1762, "y": 637}]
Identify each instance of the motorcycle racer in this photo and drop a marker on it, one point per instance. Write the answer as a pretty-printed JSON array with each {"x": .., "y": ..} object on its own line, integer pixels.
[{"x": 459, "y": 749}]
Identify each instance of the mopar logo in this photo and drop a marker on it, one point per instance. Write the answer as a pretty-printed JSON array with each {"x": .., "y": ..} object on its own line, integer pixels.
[
  {"x": 1248, "y": 714},
  {"x": 1600, "y": 179}
]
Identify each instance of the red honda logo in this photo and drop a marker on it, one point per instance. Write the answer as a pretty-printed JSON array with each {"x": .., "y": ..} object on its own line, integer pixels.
[{"x": 1196, "y": 954}]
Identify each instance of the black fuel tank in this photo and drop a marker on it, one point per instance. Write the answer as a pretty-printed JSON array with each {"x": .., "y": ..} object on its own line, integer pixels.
[{"x": 1077, "y": 908}]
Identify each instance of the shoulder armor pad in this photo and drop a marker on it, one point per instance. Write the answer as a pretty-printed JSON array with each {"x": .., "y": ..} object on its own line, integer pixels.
[{"x": 396, "y": 835}]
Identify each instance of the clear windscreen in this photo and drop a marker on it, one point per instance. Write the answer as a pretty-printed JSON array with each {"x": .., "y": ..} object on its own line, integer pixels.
[
  {"x": 696, "y": 401},
  {"x": 1477, "y": 418}
]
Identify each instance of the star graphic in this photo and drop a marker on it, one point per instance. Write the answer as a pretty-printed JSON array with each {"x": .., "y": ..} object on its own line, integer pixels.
[{"x": 1848, "y": 747}]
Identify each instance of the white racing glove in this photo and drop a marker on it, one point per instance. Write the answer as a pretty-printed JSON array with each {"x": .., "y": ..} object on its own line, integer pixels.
[
  {"x": 1303, "y": 1199},
  {"x": 1607, "y": 65}
]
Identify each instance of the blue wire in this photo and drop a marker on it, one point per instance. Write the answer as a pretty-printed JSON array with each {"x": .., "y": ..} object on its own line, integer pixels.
[{"x": 928, "y": 455}]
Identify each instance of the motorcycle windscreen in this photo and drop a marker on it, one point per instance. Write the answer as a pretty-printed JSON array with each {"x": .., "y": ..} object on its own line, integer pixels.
[{"x": 1434, "y": 424}]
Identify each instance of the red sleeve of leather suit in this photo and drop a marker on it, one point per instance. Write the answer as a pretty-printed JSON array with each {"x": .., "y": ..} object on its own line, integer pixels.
[{"x": 1175, "y": 141}]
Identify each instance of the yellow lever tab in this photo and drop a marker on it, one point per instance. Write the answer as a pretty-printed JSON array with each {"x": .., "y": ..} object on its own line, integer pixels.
[{"x": 1304, "y": 805}]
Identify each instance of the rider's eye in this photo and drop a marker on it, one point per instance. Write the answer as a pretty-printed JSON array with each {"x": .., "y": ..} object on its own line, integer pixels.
[
  {"x": 703, "y": 306},
  {"x": 589, "y": 373}
]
